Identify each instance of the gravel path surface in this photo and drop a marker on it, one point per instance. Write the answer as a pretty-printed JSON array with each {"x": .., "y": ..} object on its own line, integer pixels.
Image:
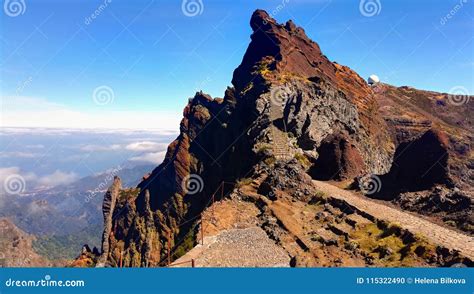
[
  {"x": 435, "y": 233},
  {"x": 248, "y": 247}
]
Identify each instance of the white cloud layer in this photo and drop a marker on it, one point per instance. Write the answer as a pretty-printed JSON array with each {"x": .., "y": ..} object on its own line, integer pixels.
[
  {"x": 97, "y": 148},
  {"x": 58, "y": 178},
  {"x": 29, "y": 180},
  {"x": 18, "y": 154},
  {"x": 153, "y": 157},
  {"x": 146, "y": 146},
  {"x": 19, "y": 111}
]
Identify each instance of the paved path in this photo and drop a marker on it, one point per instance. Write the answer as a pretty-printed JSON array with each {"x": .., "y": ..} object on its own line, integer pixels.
[
  {"x": 281, "y": 148},
  {"x": 248, "y": 247},
  {"x": 433, "y": 232}
]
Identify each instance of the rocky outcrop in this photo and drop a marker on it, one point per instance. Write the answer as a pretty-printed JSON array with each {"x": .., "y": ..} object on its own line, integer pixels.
[
  {"x": 433, "y": 138},
  {"x": 338, "y": 159},
  {"x": 108, "y": 207},
  {"x": 417, "y": 117},
  {"x": 285, "y": 92},
  {"x": 16, "y": 248},
  {"x": 419, "y": 164}
]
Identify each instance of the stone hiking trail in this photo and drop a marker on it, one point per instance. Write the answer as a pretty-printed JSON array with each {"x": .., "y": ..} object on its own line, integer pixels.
[
  {"x": 244, "y": 247},
  {"x": 280, "y": 143},
  {"x": 433, "y": 232}
]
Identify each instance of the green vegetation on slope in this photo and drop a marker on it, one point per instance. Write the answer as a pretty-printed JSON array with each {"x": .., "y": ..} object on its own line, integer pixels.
[{"x": 67, "y": 246}]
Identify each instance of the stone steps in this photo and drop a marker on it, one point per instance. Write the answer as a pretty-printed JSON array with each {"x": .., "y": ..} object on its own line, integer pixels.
[{"x": 280, "y": 143}]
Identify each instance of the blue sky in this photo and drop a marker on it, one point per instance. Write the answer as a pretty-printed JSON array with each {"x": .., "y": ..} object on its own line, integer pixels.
[{"x": 153, "y": 57}]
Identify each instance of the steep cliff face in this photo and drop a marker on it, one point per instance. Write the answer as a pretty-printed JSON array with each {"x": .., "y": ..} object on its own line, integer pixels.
[
  {"x": 16, "y": 248},
  {"x": 108, "y": 207},
  {"x": 319, "y": 97},
  {"x": 289, "y": 103}
]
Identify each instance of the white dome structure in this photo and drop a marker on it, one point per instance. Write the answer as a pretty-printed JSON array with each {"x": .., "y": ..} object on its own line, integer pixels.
[{"x": 373, "y": 79}]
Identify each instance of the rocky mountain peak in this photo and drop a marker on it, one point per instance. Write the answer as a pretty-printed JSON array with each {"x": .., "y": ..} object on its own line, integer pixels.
[
  {"x": 289, "y": 107},
  {"x": 280, "y": 49}
]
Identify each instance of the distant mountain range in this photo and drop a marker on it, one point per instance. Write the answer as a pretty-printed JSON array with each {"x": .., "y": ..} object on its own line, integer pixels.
[
  {"x": 65, "y": 217},
  {"x": 282, "y": 148}
]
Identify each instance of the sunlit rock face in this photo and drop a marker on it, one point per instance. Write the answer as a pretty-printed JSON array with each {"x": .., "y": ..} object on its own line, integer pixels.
[{"x": 330, "y": 120}]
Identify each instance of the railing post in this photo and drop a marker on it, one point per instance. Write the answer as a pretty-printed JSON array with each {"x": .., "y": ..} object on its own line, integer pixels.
[
  {"x": 169, "y": 247},
  {"x": 202, "y": 230}
]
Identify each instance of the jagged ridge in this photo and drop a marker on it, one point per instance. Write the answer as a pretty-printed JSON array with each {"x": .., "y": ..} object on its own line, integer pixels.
[{"x": 329, "y": 115}]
